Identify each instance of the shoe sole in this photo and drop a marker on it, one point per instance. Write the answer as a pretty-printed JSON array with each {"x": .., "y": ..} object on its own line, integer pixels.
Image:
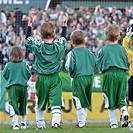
[
  {"x": 114, "y": 125},
  {"x": 15, "y": 128},
  {"x": 56, "y": 125},
  {"x": 77, "y": 126},
  {"x": 23, "y": 127}
]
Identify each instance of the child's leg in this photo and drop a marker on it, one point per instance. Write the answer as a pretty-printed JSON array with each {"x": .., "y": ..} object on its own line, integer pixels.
[
  {"x": 85, "y": 109},
  {"x": 13, "y": 97},
  {"x": 23, "y": 122},
  {"x": 56, "y": 115},
  {"x": 55, "y": 99},
  {"x": 15, "y": 122},
  {"x": 40, "y": 119},
  {"x": 81, "y": 115},
  {"x": 24, "y": 119},
  {"x": 23, "y": 106},
  {"x": 113, "y": 119}
]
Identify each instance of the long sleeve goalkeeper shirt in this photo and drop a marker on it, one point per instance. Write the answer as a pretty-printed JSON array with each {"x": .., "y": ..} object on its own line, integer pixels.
[{"x": 126, "y": 42}]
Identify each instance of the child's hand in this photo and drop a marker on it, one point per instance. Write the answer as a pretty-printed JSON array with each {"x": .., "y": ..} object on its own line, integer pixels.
[
  {"x": 66, "y": 20},
  {"x": 31, "y": 19},
  {"x": 129, "y": 32}
]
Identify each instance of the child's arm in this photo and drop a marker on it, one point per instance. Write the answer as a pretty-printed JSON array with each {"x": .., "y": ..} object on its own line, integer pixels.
[
  {"x": 70, "y": 63},
  {"x": 29, "y": 27},
  {"x": 28, "y": 71},
  {"x": 126, "y": 42},
  {"x": 100, "y": 60},
  {"x": 5, "y": 72},
  {"x": 31, "y": 41},
  {"x": 28, "y": 32},
  {"x": 64, "y": 27}
]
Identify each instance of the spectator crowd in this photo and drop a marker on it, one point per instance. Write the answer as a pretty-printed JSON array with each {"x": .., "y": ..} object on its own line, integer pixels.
[{"x": 91, "y": 21}]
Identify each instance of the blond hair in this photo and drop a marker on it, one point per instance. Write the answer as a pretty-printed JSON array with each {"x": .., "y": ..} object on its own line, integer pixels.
[
  {"x": 16, "y": 54},
  {"x": 48, "y": 30},
  {"x": 112, "y": 32},
  {"x": 77, "y": 37}
]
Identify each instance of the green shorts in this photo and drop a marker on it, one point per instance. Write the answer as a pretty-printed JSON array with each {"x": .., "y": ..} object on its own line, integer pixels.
[
  {"x": 17, "y": 97},
  {"x": 48, "y": 90},
  {"x": 82, "y": 91},
  {"x": 115, "y": 87}
]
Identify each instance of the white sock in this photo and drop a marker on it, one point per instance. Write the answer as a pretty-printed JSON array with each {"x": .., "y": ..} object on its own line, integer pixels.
[
  {"x": 24, "y": 119},
  {"x": 81, "y": 115},
  {"x": 40, "y": 118},
  {"x": 15, "y": 120},
  {"x": 123, "y": 110},
  {"x": 56, "y": 115},
  {"x": 85, "y": 112},
  {"x": 112, "y": 116}
]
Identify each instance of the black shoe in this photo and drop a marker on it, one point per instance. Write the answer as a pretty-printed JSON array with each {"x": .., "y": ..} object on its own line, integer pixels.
[
  {"x": 40, "y": 128},
  {"x": 77, "y": 126},
  {"x": 16, "y": 127},
  {"x": 23, "y": 126},
  {"x": 56, "y": 125}
]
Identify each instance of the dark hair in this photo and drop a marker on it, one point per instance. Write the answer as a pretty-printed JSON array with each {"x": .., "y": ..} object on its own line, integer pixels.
[
  {"x": 48, "y": 30},
  {"x": 16, "y": 54},
  {"x": 77, "y": 37}
]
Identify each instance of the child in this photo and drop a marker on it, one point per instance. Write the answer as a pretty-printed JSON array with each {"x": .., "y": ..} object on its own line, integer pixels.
[
  {"x": 126, "y": 42},
  {"x": 48, "y": 55},
  {"x": 113, "y": 63},
  {"x": 80, "y": 64},
  {"x": 17, "y": 73}
]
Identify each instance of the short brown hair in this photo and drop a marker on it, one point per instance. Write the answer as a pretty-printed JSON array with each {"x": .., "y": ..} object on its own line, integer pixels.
[
  {"x": 16, "y": 54},
  {"x": 48, "y": 30},
  {"x": 77, "y": 37},
  {"x": 112, "y": 32}
]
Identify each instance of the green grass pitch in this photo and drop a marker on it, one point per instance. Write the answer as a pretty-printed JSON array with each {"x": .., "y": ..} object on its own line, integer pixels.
[{"x": 69, "y": 128}]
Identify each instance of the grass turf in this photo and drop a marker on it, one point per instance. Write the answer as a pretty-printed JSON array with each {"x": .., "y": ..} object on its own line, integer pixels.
[{"x": 68, "y": 128}]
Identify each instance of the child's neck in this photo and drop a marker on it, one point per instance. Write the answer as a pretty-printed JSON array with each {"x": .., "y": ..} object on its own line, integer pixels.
[
  {"x": 78, "y": 46},
  {"x": 48, "y": 40},
  {"x": 115, "y": 42}
]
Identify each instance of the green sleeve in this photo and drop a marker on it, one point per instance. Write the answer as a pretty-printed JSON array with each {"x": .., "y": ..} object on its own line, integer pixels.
[
  {"x": 5, "y": 72},
  {"x": 61, "y": 41},
  {"x": 33, "y": 44},
  {"x": 70, "y": 63},
  {"x": 99, "y": 61},
  {"x": 28, "y": 71},
  {"x": 96, "y": 63}
]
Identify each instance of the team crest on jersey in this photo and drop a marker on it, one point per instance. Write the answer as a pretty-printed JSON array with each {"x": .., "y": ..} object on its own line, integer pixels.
[
  {"x": 35, "y": 40},
  {"x": 59, "y": 40}
]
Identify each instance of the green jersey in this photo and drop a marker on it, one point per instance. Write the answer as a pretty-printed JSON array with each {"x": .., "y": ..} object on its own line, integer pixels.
[
  {"x": 16, "y": 73},
  {"x": 112, "y": 55},
  {"x": 47, "y": 56},
  {"x": 80, "y": 62}
]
